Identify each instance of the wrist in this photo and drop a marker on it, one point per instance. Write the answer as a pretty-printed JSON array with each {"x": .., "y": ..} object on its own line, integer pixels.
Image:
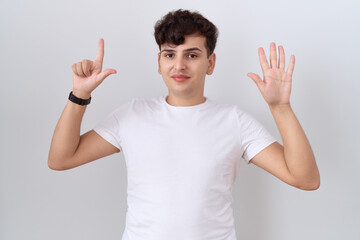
[
  {"x": 280, "y": 107},
  {"x": 81, "y": 94},
  {"x": 80, "y": 101}
]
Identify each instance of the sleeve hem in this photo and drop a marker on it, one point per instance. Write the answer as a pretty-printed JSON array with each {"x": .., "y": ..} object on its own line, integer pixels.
[
  {"x": 249, "y": 155},
  {"x": 108, "y": 137}
]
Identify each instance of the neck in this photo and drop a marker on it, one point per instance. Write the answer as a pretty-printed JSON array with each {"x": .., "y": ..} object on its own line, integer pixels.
[{"x": 185, "y": 101}]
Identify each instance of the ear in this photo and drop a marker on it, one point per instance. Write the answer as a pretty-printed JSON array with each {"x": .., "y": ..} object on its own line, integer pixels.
[
  {"x": 211, "y": 66},
  {"x": 159, "y": 67}
]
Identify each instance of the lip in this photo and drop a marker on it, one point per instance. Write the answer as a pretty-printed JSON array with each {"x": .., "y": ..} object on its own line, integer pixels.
[{"x": 179, "y": 77}]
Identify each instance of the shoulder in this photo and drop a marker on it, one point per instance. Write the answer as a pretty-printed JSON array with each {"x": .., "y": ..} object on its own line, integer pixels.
[
  {"x": 244, "y": 116},
  {"x": 137, "y": 106},
  {"x": 151, "y": 103},
  {"x": 221, "y": 107},
  {"x": 124, "y": 107},
  {"x": 241, "y": 115}
]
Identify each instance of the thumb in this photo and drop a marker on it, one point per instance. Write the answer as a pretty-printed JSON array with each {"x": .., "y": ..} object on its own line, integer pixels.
[
  {"x": 258, "y": 81},
  {"x": 104, "y": 74}
]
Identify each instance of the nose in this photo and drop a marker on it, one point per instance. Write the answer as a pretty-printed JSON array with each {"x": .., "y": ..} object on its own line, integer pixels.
[{"x": 179, "y": 63}]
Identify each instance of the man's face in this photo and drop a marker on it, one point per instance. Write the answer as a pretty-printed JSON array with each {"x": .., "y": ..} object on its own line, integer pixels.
[{"x": 185, "y": 66}]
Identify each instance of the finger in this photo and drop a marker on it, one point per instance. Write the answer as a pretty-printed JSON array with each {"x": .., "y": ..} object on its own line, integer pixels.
[
  {"x": 256, "y": 78},
  {"x": 100, "y": 52},
  {"x": 74, "y": 68},
  {"x": 281, "y": 57},
  {"x": 104, "y": 74},
  {"x": 86, "y": 66},
  {"x": 291, "y": 65},
  {"x": 79, "y": 70},
  {"x": 273, "y": 56},
  {"x": 263, "y": 61}
]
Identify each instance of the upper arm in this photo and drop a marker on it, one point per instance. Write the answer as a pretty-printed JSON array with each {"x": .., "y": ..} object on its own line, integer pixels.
[
  {"x": 272, "y": 160},
  {"x": 91, "y": 147}
]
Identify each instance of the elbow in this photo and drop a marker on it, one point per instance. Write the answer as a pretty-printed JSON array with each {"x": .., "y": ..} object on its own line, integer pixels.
[
  {"x": 316, "y": 182},
  {"x": 309, "y": 182},
  {"x": 312, "y": 186},
  {"x": 54, "y": 165},
  {"x": 316, "y": 185}
]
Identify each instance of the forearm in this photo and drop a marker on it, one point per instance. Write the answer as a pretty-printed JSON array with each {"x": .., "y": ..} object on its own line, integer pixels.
[
  {"x": 66, "y": 135},
  {"x": 298, "y": 154}
]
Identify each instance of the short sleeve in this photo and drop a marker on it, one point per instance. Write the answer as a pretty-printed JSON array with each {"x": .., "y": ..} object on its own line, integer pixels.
[
  {"x": 110, "y": 128},
  {"x": 253, "y": 135}
]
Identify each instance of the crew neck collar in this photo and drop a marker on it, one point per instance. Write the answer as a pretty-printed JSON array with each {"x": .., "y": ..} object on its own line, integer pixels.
[{"x": 197, "y": 106}]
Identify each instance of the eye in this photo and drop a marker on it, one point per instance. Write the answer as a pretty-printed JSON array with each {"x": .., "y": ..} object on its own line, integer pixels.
[
  {"x": 191, "y": 55},
  {"x": 169, "y": 55}
]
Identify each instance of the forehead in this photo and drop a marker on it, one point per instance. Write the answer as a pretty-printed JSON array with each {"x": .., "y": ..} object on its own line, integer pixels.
[{"x": 191, "y": 41}]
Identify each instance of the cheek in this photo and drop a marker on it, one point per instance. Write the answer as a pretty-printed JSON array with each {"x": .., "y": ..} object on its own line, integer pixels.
[
  {"x": 164, "y": 70},
  {"x": 204, "y": 68},
  {"x": 164, "y": 66}
]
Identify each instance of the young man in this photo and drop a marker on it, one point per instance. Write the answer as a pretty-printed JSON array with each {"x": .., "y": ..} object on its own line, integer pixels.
[{"x": 183, "y": 150}]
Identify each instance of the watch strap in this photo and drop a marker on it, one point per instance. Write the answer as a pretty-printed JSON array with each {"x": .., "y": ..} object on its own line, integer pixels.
[{"x": 77, "y": 100}]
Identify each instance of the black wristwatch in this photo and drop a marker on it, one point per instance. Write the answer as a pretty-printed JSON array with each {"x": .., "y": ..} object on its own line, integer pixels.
[{"x": 77, "y": 100}]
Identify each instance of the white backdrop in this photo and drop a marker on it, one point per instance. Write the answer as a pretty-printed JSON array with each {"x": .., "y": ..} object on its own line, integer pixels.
[{"x": 40, "y": 40}]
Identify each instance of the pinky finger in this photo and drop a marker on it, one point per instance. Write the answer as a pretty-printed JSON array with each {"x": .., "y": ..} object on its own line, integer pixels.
[{"x": 291, "y": 66}]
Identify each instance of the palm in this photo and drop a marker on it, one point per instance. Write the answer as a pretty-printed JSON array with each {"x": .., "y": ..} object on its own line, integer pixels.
[
  {"x": 276, "y": 86},
  {"x": 88, "y": 83}
]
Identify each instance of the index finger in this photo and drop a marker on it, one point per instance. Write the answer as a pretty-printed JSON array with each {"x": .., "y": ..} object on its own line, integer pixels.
[
  {"x": 100, "y": 52},
  {"x": 263, "y": 61}
]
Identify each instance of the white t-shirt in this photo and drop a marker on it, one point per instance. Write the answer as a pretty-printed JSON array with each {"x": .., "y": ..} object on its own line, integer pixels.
[{"x": 181, "y": 164}]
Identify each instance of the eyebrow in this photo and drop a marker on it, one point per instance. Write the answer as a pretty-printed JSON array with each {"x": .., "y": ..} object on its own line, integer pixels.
[{"x": 186, "y": 50}]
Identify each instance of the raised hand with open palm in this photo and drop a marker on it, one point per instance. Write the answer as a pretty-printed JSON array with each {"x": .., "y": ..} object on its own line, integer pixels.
[{"x": 276, "y": 85}]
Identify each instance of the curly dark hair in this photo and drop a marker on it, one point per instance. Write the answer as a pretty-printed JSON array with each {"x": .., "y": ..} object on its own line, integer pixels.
[{"x": 174, "y": 26}]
